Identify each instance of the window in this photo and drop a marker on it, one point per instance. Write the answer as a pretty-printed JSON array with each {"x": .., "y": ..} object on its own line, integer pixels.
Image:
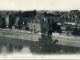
[
  {"x": 36, "y": 21},
  {"x": 34, "y": 25},
  {"x": 38, "y": 30},
  {"x": 32, "y": 21},
  {"x": 31, "y": 30},
  {"x": 44, "y": 19},
  {"x": 34, "y": 29}
]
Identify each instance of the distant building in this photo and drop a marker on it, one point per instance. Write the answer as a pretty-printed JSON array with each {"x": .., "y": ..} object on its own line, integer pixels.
[
  {"x": 69, "y": 23},
  {"x": 63, "y": 28},
  {"x": 24, "y": 23},
  {"x": 44, "y": 25},
  {"x": 34, "y": 25},
  {"x": 16, "y": 21},
  {"x": 74, "y": 11},
  {"x": 37, "y": 25},
  {"x": 7, "y": 20}
]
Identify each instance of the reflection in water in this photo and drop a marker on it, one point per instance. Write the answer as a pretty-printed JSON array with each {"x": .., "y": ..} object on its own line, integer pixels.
[
  {"x": 9, "y": 48},
  {"x": 18, "y": 48},
  {"x": 0, "y": 48},
  {"x": 29, "y": 47}
]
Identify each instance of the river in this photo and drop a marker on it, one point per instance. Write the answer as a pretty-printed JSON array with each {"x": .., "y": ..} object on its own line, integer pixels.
[{"x": 18, "y": 46}]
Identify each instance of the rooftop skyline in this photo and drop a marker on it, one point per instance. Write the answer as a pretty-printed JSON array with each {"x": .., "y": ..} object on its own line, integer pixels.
[{"x": 62, "y": 5}]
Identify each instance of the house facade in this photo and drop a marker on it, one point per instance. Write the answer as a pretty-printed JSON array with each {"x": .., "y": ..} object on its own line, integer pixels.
[
  {"x": 37, "y": 24},
  {"x": 34, "y": 25},
  {"x": 44, "y": 25}
]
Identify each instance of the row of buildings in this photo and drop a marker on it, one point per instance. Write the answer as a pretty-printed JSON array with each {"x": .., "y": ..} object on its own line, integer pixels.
[
  {"x": 34, "y": 24},
  {"x": 40, "y": 22}
]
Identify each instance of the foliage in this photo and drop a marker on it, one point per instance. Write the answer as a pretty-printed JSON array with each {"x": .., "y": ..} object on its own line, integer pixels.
[
  {"x": 50, "y": 14},
  {"x": 11, "y": 20},
  {"x": 27, "y": 28},
  {"x": 46, "y": 43},
  {"x": 56, "y": 27},
  {"x": 68, "y": 28},
  {"x": 29, "y": 13},
  {"x": 76, "y": 31}
]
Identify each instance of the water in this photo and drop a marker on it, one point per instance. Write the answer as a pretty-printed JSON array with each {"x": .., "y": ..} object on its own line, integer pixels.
[
  {"x": 17, "y": 46},
  {"x": 14, "y": 49}
]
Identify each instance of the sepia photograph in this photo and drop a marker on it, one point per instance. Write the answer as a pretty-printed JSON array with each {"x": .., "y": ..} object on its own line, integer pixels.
[{"x": 39, "y": 29}]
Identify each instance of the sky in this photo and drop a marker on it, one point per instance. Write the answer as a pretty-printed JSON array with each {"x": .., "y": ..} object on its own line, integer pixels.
[{"x": 40, "y": 5}]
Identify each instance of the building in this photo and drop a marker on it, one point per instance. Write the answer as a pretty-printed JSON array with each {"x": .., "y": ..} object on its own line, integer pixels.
[
  {"x": 44, "y": 25},
  {"x": 16, "y": 21},
  {"x": 37, "y": 24},
  {"x": 24, "y": 24},
  {"x": 34, "y": 25},
  {"x": 7, "y": 20}
]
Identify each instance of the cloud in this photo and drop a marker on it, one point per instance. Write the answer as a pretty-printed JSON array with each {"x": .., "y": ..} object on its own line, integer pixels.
[{"x": 39, "y": 4}]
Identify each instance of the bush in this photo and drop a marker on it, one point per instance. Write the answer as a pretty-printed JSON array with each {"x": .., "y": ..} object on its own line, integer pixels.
[
  {"x": 56, "y": 27},
  {"x": 76, "y": 31}
]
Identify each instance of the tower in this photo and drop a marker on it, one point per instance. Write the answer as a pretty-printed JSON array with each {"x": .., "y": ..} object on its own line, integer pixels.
[{"x": 44, "y": 25}]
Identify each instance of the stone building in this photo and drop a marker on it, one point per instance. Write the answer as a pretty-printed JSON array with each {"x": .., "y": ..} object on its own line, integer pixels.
[
  {"x": 34, "y": 25},
  {"x": 24, "y": 24},
  {"x": 38, "y": 24},
  {"x": 44, "y": 25}
]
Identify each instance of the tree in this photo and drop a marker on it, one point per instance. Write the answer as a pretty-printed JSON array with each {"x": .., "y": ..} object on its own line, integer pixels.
[
  {"x": 11, "y": 20},
  {"x": 56, "y": 27},
  {"x": 20, "y": 22},
  {"x": 45, "y": 43},
  {"x": 76, "y": 32},
  {"x": 27, "y": 28},
  {"x": 59, "y": 29},
  {"x": 1, "y": 22},
  {"x": 29, "y": 13},
  {"x": 68, "y": 28}
]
